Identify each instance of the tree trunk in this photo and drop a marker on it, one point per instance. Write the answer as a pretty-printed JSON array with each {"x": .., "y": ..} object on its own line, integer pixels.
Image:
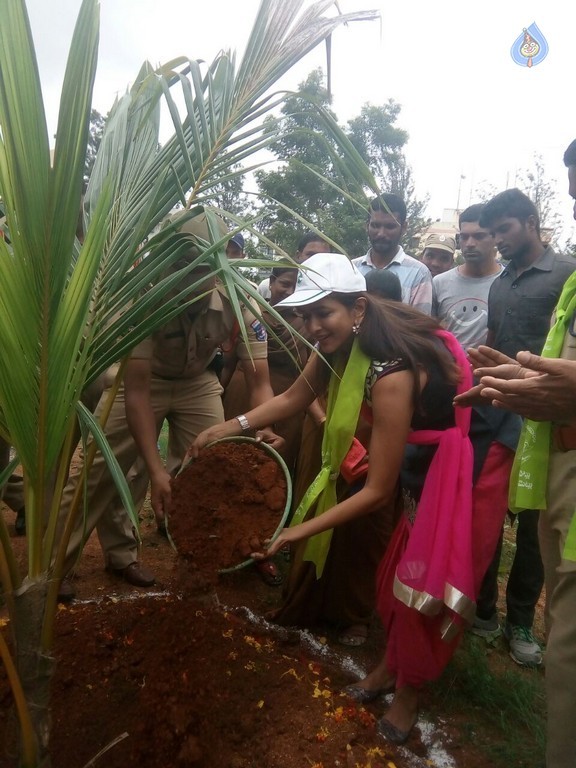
[{"x": 35, "y": 667}]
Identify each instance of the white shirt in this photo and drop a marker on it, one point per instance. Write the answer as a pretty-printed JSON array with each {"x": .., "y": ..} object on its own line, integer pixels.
[{"x": 415, "y": 278}]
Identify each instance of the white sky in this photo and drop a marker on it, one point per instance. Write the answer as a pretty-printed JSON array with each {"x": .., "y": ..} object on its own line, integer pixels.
[{"x": 468, "y": 108}]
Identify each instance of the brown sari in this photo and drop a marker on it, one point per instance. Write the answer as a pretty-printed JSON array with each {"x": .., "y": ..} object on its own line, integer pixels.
[{"x": 287, "y": 355}]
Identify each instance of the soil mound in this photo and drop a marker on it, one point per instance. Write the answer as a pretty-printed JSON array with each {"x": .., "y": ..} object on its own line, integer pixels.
[{"x": 190, "y": 685}]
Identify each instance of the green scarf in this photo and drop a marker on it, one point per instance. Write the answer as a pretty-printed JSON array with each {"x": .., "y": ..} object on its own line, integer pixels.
[
  {"x": 529, "y": 476},
  {"x": 345, "y": 395}
]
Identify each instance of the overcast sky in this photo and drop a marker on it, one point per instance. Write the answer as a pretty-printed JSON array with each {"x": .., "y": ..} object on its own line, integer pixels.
[{"x": 470, "y": 111}]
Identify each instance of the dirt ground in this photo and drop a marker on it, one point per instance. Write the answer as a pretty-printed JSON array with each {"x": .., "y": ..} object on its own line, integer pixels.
[{"x": 162, "y": 677}]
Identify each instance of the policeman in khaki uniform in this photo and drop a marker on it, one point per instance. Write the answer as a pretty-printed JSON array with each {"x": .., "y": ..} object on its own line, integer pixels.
[{"x": 168, "y": 376}]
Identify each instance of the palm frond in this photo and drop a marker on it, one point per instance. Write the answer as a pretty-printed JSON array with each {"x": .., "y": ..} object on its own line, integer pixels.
[{"x": 70, "y": 310}]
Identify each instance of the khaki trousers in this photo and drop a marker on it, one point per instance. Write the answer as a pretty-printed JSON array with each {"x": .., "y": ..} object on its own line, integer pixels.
[
  {"x": 189, "y": 406},
  {"x": 560, "y": 580}
]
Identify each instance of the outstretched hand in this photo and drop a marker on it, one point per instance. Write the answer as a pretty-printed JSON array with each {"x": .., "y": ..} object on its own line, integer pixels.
[
  {"x": 268, "y": 436},
  {"x": 488, "y": 362},
  {"x": 286, "y": 536},
  {"x": 230, "y": 428},
  {"x": 487, "y": 357},
  {"x": 542, "y": 389},
  {"x": 471, "y": 397}
]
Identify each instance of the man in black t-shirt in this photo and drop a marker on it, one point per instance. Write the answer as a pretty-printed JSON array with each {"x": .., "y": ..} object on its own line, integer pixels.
[{"x": 520, "y": 305}]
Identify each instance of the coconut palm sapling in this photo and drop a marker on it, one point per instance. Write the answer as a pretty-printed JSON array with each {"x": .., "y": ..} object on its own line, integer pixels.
[{"x": 68, "y": 311}]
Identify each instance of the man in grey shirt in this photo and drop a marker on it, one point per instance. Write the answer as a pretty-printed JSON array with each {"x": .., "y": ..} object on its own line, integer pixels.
[{"x": 460, "y": 297}]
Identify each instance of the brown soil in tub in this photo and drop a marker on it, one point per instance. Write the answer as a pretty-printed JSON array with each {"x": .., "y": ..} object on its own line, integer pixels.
[{"x": 225, "y": 504}]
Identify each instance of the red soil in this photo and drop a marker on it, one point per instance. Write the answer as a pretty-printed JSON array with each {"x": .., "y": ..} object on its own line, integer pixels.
[
  {"x": 197, "y": 678},
  {"x": 225, "y": 504}
]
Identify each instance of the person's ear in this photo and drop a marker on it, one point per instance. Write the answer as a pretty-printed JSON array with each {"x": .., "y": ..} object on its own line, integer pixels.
[{"x": 359, "y": 310}]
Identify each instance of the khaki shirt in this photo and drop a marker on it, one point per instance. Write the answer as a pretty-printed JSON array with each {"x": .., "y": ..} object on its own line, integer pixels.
[{"x": 185, "y": 346}]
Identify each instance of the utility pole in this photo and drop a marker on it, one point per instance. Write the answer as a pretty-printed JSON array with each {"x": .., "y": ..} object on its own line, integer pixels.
[{"x": 459, "y": 190}]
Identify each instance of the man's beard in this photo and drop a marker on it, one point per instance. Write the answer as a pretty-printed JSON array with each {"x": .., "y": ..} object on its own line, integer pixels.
[{"x": 381, "y": 247}]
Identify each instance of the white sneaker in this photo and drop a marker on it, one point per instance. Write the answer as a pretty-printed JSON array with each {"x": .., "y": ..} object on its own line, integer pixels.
[{"x": 524, "y": 649}]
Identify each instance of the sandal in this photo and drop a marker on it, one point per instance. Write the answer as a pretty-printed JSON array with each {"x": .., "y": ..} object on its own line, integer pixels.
[
  {"x": 392, "y": 733},
  {"x": 354, "y": 636},
  {"x": 366, "y": 695},
  {"x": 269, "y": 572}
]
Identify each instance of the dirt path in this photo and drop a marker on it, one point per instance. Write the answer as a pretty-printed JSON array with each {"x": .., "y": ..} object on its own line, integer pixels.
[{"x": 202, "y": 680}]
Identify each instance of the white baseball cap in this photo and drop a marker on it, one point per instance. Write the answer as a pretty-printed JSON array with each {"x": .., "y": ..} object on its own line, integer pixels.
[{"x": 323, "y": 274}]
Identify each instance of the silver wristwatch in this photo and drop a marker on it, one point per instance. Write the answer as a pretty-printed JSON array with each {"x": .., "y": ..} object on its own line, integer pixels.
[{"x": 244, "y": 423}]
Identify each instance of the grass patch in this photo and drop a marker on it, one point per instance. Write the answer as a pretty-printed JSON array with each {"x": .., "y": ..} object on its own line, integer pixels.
[{"x": 500, "y": 706}]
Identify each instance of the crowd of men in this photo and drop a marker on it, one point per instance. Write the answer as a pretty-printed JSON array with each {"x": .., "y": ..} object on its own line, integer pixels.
[{"x": 499, "y": 302}]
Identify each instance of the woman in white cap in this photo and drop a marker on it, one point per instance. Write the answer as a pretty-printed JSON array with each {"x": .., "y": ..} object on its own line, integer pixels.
[{"x": 388, "y": 366}]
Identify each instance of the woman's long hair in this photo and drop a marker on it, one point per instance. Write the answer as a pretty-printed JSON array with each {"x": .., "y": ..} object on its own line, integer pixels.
[{"x": 395, "y": 331}]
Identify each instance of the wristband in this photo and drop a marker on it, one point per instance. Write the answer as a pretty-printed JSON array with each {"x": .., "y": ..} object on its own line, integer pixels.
[{"x": 244, "y": 423}]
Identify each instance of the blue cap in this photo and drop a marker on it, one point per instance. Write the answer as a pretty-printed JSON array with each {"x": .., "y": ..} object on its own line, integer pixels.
[{"x": 238, "y": 240}]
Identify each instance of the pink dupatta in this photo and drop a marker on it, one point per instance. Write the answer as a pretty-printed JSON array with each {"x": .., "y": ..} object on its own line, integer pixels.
[{"x": 436, "y": 568}]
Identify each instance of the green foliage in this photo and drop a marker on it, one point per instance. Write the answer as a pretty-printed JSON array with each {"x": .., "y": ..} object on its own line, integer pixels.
[
  {"x": 302, "y": 149},
  {"x": 504, "y": 702},
  {"x": 540, "y": 189},
  {"x": 97, "y": 123},
  {"x": 68, "y": 310},
  {"x": 229, "y": 195},
  {"x": 310, "y": 158},
  {"x": 379, "y": 142}
]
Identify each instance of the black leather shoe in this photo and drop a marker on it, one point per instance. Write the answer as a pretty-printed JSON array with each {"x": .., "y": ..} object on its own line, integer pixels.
[{"x": 136, "y": 574}]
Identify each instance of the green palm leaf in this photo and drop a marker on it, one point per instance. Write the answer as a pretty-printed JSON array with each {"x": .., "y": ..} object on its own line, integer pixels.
[{"x": 70, "y": 310}]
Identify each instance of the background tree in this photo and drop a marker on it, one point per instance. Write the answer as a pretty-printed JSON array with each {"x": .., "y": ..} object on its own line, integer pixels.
[
  {"x": 309, "y": 159},
  {"x": 301, "y": 150},
  {"x": 71, "y": 309},
  {"x": 228, "y": 193},
  {"x": 97, "y": 123},
  {"x": 541, "y": 190},
  {"x": 381, "y": 145}
]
